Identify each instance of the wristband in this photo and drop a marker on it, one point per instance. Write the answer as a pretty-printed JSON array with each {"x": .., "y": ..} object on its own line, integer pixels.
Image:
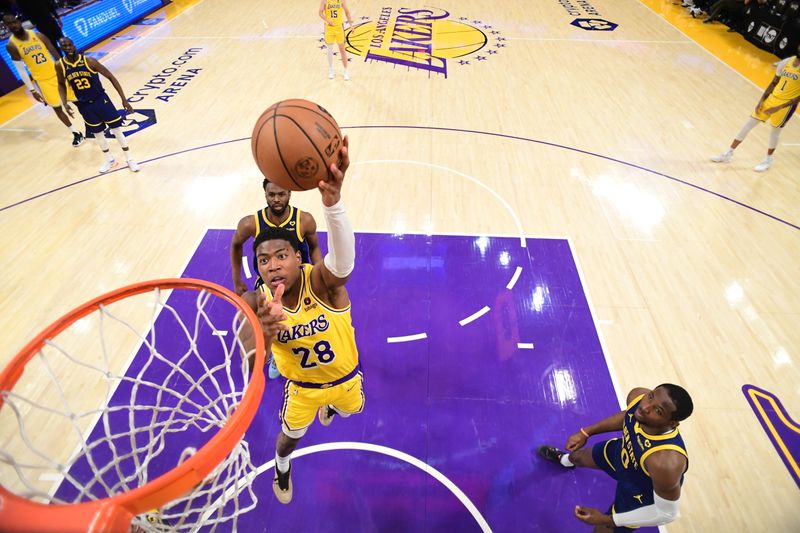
[{"x": 584, "y": 433}]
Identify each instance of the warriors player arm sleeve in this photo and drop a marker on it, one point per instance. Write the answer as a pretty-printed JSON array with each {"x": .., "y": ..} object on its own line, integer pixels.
[
  {"x": 23, "y": 74},
  {"x": 341, "y": 257},
  {"x": 661, "y": 512}
]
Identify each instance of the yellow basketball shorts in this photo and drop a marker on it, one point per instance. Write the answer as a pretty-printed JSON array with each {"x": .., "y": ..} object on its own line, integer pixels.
[
  {"x": 300, "y": 404},
  {"x": 334, "y": 34},
  {"x": 49, "y": 90},
  {"x": 777, "y": 119}
]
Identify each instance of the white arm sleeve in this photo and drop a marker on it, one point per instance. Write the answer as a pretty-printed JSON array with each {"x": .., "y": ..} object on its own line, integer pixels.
[
  {"x": 782, "y": 65},
  {"x": 660, "y": 513},
  {"x": 341, "y": 257},
  {"x": 23, "y": 73}
]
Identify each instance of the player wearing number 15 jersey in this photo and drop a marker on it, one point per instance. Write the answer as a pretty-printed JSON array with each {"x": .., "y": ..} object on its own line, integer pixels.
[
  {"x": 334, "y": 12},
  {"x": 34, "y": 51},
  {"x": 312, "y": 336}
]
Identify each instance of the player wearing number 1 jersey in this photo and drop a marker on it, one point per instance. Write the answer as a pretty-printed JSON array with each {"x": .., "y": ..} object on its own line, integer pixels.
[
  {"x": 312, "y": 337},
  {"x": 34, "y": 51},
  {"x": 777, "y": 105}
]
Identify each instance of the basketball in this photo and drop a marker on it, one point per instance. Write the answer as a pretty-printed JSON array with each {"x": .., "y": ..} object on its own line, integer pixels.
[{"x": 294, "y": 143}]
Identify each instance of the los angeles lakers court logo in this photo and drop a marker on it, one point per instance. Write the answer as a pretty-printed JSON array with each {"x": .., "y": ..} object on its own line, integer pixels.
[{"x": 428, "y": 40}]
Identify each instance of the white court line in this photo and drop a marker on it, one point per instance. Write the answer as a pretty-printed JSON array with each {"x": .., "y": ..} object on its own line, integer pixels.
[
  {"x": 407, "y": 338},
  {"x": 499, "y": 198},
  {"x": 368, "y": 447},
  {"x": 514, "y": 278},
  {"x": 246, "y": 266},
  {"x": 611, "y": 372},
  {"x": 474, "y": 316},
  {"x": 525, "y": 345},
  {"x": 599, "y": 41},
  {"x": 23, "y": 130}
]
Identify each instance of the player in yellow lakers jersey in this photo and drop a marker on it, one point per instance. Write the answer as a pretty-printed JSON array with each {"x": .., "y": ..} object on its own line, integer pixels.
[
  {"x": 777, "y": 105},
  {"x": 310, "y": 332},
  {"x": 648, "y": 461},
  {"x": 331, "y": 12},
  {"x": 35, "y": 51},
  {"x": 278, "y": 213}
]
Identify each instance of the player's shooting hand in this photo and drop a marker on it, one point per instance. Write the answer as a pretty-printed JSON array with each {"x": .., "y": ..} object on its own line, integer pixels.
[
  {"x": 37, "y": 96},
  {"x": 270, "y": 313},
  {"x": 331, "y": 186},
  {"x": 592, "y": 516},
  {"x": 576, "y": 441},
  {"x": 127, "y": 105}
]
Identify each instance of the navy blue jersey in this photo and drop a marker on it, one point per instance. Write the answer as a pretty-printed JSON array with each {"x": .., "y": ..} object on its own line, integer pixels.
[
  {"x": 292, "y": 224},
  {"x": 624, "y": 460},
  {"x": 84, "y": 81}
]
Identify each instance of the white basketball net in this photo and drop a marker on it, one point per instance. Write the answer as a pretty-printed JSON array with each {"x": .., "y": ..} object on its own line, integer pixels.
[{"x": 103, "y": 409}]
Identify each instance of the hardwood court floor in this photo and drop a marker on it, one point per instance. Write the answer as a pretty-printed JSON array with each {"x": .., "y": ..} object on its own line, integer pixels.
[{"x": 601, "y": 137}]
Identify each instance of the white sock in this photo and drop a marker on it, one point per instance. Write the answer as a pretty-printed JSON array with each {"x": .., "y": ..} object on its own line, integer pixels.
[
  {"x": 73, "y": 129},
  {"x": 282, "y": 463},
  {"x": 340, "y": 413},
  {"x": 330, "y": 56},
  {"x": 565, "y": 460},
  {"x": 120, "y": 137},
  {"x": 774, "y": 135},
  {"x": 101, "y": 142}
]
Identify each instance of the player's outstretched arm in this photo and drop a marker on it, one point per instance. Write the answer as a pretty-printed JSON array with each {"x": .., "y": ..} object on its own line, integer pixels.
[
  {"x": 245, "y": 230},
  {"x": 335, "y": 268},
  {"x": 98, "y": 67},
  {"x": 612, "y": 423}
]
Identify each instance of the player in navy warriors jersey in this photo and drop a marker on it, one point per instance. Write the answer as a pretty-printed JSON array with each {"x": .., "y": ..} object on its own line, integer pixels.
[
  {"x": 648, "y": 461},
  {"x": 310, "y": 332},
  {"x": 81, "y": 73},
  {"x": 278, "y": 213}
]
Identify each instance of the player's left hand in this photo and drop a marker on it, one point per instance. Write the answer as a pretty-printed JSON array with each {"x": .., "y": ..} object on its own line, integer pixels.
[
  {"x": 331, "y": 187},
  {"x": 592, "y": 516},
  {"x": 127, "y": 105},
  {"x": 771, "y": 110}
]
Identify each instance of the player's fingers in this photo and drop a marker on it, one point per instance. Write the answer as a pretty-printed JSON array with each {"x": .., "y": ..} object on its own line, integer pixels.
[{"x": 278, "y": 293}]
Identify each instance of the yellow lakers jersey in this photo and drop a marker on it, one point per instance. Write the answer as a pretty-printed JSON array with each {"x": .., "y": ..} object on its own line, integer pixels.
[
  {"x": 319, "y": 344},
  {"x": 788, "y": 86},
  {"x": 333, "y": 11},
  {"x": 36, "y": 56}
]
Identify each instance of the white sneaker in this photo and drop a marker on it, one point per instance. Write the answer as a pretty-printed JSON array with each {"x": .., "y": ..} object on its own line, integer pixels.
[
  {"x": 764, "y": 165},
  {"x": 330, "y": 74},
  {"x": 346, "y": 76},
  {"x": 133, "y": 166},
  {"x": 724, "y": 157},
  {"x": 108, "y": 166}
]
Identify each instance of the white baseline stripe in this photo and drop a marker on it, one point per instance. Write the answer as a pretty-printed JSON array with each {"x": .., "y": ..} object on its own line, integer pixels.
[
  {"x": 525, "y": 345},
  {"x": 474, "y": 316},
  {"x": 514, "y": 278},
  {"x": 364, "y": 446},
  {"x": 407, "y": 338}
]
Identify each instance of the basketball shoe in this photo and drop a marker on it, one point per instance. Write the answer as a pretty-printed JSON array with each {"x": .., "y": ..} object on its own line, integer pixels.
[
  {"x": 109, "y": 165},
  {"x": 282, "y": 485},
  {"x": 764, "y": 165},
  {"x": 325, "y": 415},
  {"x": 724, "y": 157},
  {"x": 553, "y": 454}
]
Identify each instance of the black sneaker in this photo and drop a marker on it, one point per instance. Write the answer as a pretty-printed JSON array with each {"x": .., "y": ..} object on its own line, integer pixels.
[
  {"x": 77, "y": 139},
  {"x": 282, "y": 485},
  {"x": 553, "y": 454}
]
